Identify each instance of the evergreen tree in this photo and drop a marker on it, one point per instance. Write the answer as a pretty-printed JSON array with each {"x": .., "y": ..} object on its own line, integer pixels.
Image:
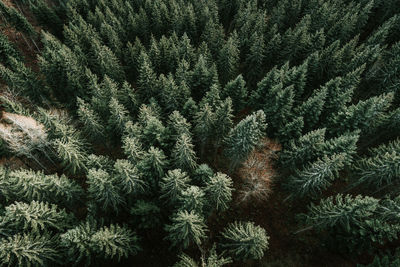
[
  {"x": 244, "y": 240},
  {"x": 128, "y": 178},
  {"x": 255, "y": 59},
  {"x": 183, "y": 154},
  {"x": 202, "y": 174},
  {"x": 92, "y": 124},
  {"x": 212, "y": 260},
  {"x": 103, "y": 190},
  {"x": 228, "y": 59},
  {"x": 173, "y": 184},
  {"x": 223, "y": 121},
  {"x": 219, "y": 190},
  {"x": 291, "y": 130},
  {"x": 177, "y": 126},
  {"x": 147, "y": 80},
  {"x": 243, "y": 138},
  {"x": 71, "y": 154},
  {"x": 365, "y": 115},
  {"x": 29, "y": 250},
  {"x": 192, "y": 199},
  {"x": 316, "y": 177},
  {"x": 35, "y": 217},
  {"x": 186, "y": 228},
  {"x": 303, "y": 150},
  {"x": 118, "y": 116},
  {"x": 28, "y": 185},
  {"x": 153, "y": 166},
  {"x": 311, "y": 109},
  {"x": 382, "y": 167},
  {"x": 237, "y": 91},
  {"x": 132, "y": 149},
  {"x": 203, "y": 77}
]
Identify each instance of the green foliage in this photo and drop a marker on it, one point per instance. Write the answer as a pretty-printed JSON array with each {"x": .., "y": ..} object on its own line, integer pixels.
[
  {"x": 317, "y": 177},
  {"x": 219, "y": 191},
  {"x": 29, "y": 250},
  {"x": 243, "y": 138},
  {"x": 236, "y": 89},
  {"x": 212, "y": 260},
  {"x": 186, "y": 228},
  {"x": 16, "y": 19},
  {"x": 244, "y": 240},
  {"x": 88, "y": 241},
  {"x": 382, "y": 167},
  {"x": 183, "y": 154},
  {"x": 103, "y": 190},
  {"x": 192, "y": 199},
  {"x": 173, "y": 184},
  {"x": 28, "y": 185},
  {"x": 36, "y": 217}
]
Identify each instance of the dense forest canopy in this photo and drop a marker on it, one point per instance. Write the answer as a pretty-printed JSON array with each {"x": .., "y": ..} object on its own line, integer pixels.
[{"x": 200, "y": 133}]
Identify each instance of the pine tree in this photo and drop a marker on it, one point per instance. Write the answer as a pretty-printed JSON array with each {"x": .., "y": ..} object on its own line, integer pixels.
[
  {"x": 92, "y": 124},
  {"x": 237, "y": 91},
  {"x": 212, "y": 259},
  {"x": 219, "y": 190},
  {"x": 204, "y": 123},
  {"x": 8, "y": 50},
  {"x": 228, "y": 59},
  {"x": 105, "y": 62},
  {"x": 177, "y": 126},
  {"x": 255, "y": 59},
  {"x": 244, "y": 240},
  {"x": 192, "y": 199},
  {"x": 291, "y": 130},
  {"x": 223, "y": 122},
  {"x": 128, "y": 178},
  {"x": 172, "y": 96},
  {"x": 153, "y": 166},
  {"x": 183, "y": 154},
  {"x": 16, "y": 19},
  {"x": 28, "y": 185},
  {"x": 35, "y": 217},
  {"x": 316, "y": 177},
  {"x": 173, "y": 184},
  {"x": 186, "y": 228},
  {"x": 71, "y": 154},
  {"x": 29, "y": 250},
  {"x": 118, "y": 116},
  {"x": 365, "y": 115},
  {"x": 104, "y": 190},
  {"x": 147, "y": 80},
  {"x": 311, "y": 109},
  {"x": 115, "y": 242},
  {"x": 382, "y": 167},
  {"x": 243, "y": 138},
  {"x": 203, "y": 77},
  {"x": 303, "y": 150},
  {"x": 132, "y": 149},
  {"x": 152, "y": 130},
  {"x": 202, "y": 174}
]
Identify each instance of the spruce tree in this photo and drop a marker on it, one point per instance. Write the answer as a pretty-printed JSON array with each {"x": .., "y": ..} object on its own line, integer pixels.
[
  {"x": 311, "y": 109},
  {"x": 183, "y": 154},
  {"x": 153, "y": 166},
  {"x": 104, "y": 190},
  {"x": 244, "y": 240},
  {"x": 91, "y": 121},
  {"x": 29, "y": 250},
  {"x": 186, "y": 228},
  {"x": 243, "y": 138},
  {"x": 228, "y": 59},
  {"x": 192, "y": 199},
  {"x": 173, "y": 184},
  {"x": 237, "y": 91},
  {"x": 28, "y": 185},
  {"x": 35, "y": 217},
  {"x": 219, "y": 190},
  {"x": 128, "y": 178},
  {"x": 381, "y": 168},
  {"x": 316, "y": 177},
  {"x": 147, "y": 80}
]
